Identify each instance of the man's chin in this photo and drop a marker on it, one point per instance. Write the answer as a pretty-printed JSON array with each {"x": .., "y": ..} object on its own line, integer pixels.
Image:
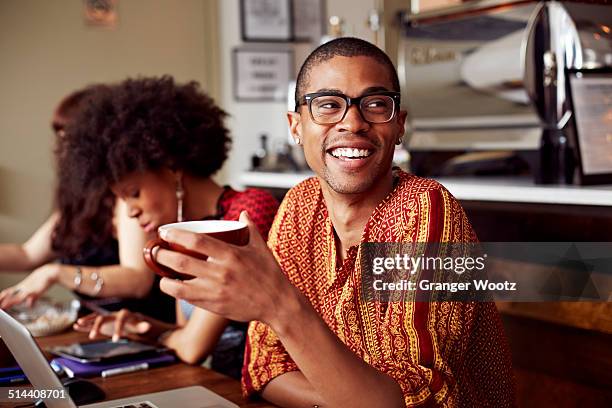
[
  {"x": 361, "y": 182},
  {"x": 355, "y": 185}
]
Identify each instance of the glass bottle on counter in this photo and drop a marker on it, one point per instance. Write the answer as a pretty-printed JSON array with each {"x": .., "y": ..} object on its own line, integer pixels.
[
  {"x": 261, "y": 157},
  {"x": 556, "y": 160}
]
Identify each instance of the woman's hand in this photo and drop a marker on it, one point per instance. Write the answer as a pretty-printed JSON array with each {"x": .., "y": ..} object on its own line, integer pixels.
[
  {"x": 116, "y": 325},
  {"x": 31, "y": 288}
]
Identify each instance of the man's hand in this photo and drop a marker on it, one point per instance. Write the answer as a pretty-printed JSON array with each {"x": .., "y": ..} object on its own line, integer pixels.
[{"x": 238, "y": 282}]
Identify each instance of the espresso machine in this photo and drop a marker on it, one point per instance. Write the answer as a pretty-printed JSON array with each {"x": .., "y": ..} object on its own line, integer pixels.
[{"x": 510, "y": 88}]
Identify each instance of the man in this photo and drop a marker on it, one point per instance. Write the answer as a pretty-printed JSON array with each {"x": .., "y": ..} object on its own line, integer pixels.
[{"x": 314, "y": 341}]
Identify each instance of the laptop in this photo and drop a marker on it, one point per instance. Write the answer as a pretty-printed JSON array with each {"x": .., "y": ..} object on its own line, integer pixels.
[{"x": 36, "y": 368}]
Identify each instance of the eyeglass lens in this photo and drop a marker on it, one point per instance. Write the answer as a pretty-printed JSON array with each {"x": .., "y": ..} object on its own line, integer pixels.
[{"x": 327, "y": 109}]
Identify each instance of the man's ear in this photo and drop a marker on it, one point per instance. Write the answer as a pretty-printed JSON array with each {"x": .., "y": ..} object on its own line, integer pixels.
[
  {"x": 295, "y": 119},
  {"x": 402, "y": 115}
]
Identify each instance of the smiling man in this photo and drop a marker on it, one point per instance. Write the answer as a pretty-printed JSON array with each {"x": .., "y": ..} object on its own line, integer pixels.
[{"x": 315, "y": 341}]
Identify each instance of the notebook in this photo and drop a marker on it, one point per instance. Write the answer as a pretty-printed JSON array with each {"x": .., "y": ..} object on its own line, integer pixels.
[
  {"x": 11, "y": 375},
  {"x": 75, "y": 369}
]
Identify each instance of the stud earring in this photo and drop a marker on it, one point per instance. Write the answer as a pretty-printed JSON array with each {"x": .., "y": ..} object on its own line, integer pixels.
[
  {"x": 180, "y": 194},
  {"x": 298, "y": 141}
]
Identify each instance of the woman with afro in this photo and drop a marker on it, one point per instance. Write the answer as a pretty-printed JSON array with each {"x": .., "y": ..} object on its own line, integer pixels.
[{"x": 155, "y": 144}]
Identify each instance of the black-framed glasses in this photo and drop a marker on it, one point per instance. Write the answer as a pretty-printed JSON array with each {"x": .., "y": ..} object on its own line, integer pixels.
[{"x": 328, "y": 108}]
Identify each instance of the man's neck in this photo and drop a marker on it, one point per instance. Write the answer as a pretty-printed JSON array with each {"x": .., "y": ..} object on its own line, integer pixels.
[{"x": 349, "y": 213}]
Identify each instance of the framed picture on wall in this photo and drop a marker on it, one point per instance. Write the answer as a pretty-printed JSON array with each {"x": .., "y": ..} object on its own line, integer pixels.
[
  {"x": 261, "y": 75},
  {"x": 266, "y": 20},
  {"x": 309, "y": 21},
  {"x": 100, "y": 13}
]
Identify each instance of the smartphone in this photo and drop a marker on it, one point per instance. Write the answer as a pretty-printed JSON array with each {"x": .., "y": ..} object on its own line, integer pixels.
[{"x": 98, "y": 351}]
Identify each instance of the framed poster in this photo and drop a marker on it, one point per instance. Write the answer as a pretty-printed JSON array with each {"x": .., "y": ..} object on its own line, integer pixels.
[
  {"x": 309, "y": 22},
  {"x": 591, "y": 95},
  {"x": 101, "y": 13},
  {"x": 266, "y": 20},
  {"x": 261, "y": 75}
]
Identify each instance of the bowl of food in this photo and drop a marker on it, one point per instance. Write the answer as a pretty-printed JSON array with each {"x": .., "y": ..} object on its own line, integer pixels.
[{"x": 46, "y": 317}]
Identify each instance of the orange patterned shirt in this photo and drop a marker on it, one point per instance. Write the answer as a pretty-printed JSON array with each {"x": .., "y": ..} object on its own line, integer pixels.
[{"x": 440, "y": 353}]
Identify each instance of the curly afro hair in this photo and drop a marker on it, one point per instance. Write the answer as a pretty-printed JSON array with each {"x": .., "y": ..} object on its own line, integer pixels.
[
  {"x": 147, "y": 124},
  {"x": 142, "y": 124}
]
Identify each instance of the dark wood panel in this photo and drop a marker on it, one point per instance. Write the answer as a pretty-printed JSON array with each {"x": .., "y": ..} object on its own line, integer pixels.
[
  {"x": 539, "y": 390},
  {"x": 558, "y": 365},
  {"x": 506, "y": 222}
]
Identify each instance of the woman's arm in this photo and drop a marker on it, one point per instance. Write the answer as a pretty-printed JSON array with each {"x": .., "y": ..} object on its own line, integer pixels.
[
  {"x": 198, "y": 337},
  {"x": 35, "y": 252},
  {"x": 131, "y": 278}
]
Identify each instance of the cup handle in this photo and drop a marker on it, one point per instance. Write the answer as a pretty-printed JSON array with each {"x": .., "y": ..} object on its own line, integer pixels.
[
  {"x": 161, "y": 270},
  {"x": 149, "y": 258}
]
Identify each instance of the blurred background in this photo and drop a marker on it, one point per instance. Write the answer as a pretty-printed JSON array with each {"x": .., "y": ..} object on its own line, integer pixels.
[{"x": 509, "y": 105}]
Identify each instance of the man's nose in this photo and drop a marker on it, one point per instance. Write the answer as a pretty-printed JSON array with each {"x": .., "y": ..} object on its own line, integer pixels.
[{"x": 353, "y": 121}]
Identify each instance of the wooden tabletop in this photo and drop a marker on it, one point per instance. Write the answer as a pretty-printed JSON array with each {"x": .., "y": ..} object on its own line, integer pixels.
[{"x": 159, "y": 379}]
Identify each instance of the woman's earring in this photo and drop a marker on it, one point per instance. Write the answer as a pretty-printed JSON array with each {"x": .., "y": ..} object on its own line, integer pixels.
[
  {"x": 180, "y": 193},
  {"x": 399, "y": 141},
  {"x": 298, "y": 141}
]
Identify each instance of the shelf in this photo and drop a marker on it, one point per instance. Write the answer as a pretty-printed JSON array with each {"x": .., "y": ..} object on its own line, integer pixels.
[
  {"x": 523, "y": 190},
  {"x": 500, "y": 189},
  {"x": 272, "y": 180}
]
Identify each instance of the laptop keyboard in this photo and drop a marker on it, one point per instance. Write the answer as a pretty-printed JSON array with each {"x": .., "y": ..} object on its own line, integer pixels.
[{"x": 144, "y": 404}]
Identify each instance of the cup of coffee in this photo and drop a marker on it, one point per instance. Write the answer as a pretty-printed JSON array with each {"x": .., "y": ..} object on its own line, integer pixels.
[{"x": 232, "y": 232}]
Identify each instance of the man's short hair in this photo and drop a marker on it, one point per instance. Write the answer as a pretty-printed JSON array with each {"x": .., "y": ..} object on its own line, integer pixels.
[{"x": 343, "y": 47}]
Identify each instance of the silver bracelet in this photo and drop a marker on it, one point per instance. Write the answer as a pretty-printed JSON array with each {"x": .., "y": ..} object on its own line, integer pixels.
[
  {"x": 99, "y": 283},
  {"x": 78, "y": 278}
]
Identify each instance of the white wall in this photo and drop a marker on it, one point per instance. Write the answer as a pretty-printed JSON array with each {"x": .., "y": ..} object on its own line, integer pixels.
[
  {"x": 46, "y": 51},
  {"x": 248, "y": 119}
]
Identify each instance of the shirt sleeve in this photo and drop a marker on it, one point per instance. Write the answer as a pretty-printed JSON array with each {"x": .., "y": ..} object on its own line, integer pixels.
[
  {"x": 460, "y": 355},
  {"x": 461, "y": 359},
  {"x": 265, "y": 357}
]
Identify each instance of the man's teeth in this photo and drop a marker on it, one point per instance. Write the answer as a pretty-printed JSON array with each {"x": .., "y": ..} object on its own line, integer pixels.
[{"x": 348, "y": 152}]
